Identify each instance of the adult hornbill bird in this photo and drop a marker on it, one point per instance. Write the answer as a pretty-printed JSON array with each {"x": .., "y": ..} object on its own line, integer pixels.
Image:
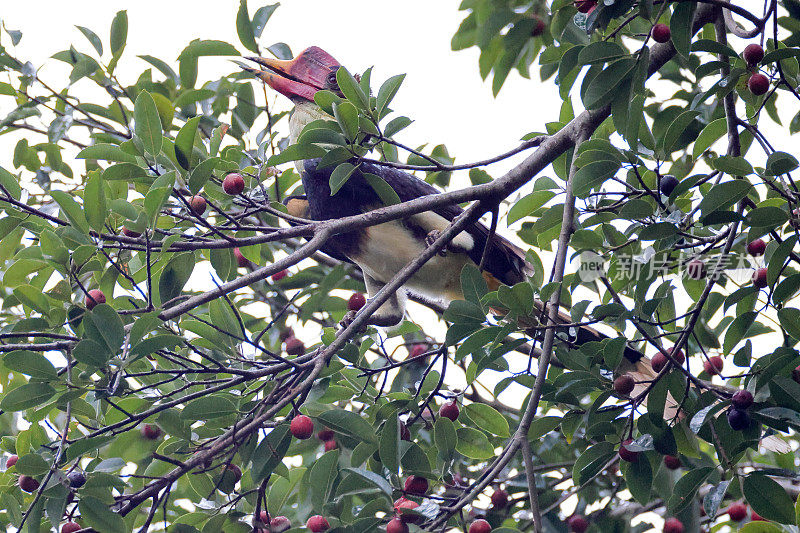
[{"x": 382, "y": 250}]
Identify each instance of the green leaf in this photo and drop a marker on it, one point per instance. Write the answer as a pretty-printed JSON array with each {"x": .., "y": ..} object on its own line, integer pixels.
[
  {"x": 724, "y": 195},
  {"x": 261, "y": 18},
  {"x": 487, "y": 418},
  {"x": 98, "y": 516},
  {"x": 686, "y": 488},
  {"x": 389, "y": 444},
  {"x": 592, "y": 176},
  {"x": 395, "y": 125},
  {"x": 780, "y": 163},
  {"x": 542, "y": 426},
  {"x": 153, "y": 344},
  {"x": 198, "y": 48},
  {"x": 350, "y": 424},
  {"x": 351, "y": 89},
  {"x": 340, "y": 175},
  {"x": 473, "y": 444},
  {"x": 124, "y": 172},
  {"x": 528, "y": 204},
  {"x": 92, "y": 38},
  {"x": 119, "y": 36},
  {"x": 710, "y": 134},
  {"x": 244, "y": 28},
  {"x": 675, "y": 130},
  {"x": 735, "y": 166},
  {"x": 26, "y": 396},
  {"x": 639, "y": 478},
  {"x": 322, "y": 477},
  {"x": 106, "y": 152},
  {"x": 295, "y": 152},
  {"x": 373, "y": 478},
  {"x": 445, "y": 437},
  {"x": 208, "y": 407},
  {"x": 202, "y": 173},
  {"x": 30, "y": 363},
  {"x": 384, "y": 191},
  {"x": 175, "y": 276},
  {"x": 600, "y": 52},
  {"x": 768, "y": 498},
  {"x": 388, "y": 91},
  {"x": 346, "y": 115},
  {"x": 591, "y": 461},
  {"x": 91, "y": 353},
  {"x": 33, "y": 297},
  {"x": 461, "y": 311},
  {"x": 680, "y": 25},
  {"x": 94, "y": 201},
  {"x": 71, "y": 209},
  {"x": 790, "y": 320},
  {"x": 738, "y": 329},
  {"x": 163, "y": 67},
  {"x": 148, "y": 123},
  {"x": 32, "y": 464},
  {"x": 184, "y": 144},
  {"x": 270, "y": 452},
  {"x": 473, "y": 284},
  {"x": 602, "y": 89}
]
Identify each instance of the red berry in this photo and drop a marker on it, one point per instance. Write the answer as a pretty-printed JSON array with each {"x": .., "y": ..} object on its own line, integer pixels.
[
  {"x": 737, "y": 511},
  {"x": 624, "y": 384},
  {"x": 758, "y": 84},
  {"x": 673, "y": 525},
  {"x": 301, "y": 427},
  {"x": 756, "y": 247},
  {"x": 279, "y": 524},
  {"x": 738, "y": 420},
  {"x": 696, "y": 269},
  {"x": 753, "y": 54},
  {"x": 417, "y": 350},
  {"x": 405, "y": 434},
  {"x": 672, "y": 462},
  {"x": 318, "y": 524},
  {"x": 356, "y": 301},
  {"x": 759, "y": 278},
  {"x": 325, "y": 434},
  {"x": 402, "y": 506},
  {"x": 627, "y": 455},
  {"x": 659, "y": 361},
  {"x": 679, "y": 356},
  {"x": 277, "y": 276},
  {"x": 661, "y": 33},
  {"x": 742, "y": 399},
  {"x": 713, "y": 365},
  {"x": 330, "y": 445},
  {"x": 667, "y": 184},
  {"x": 294, "y": 346},
  {"x": 233, "y": 184},
  {"x": 396, "y": 525},
  {"x": 449, "y": 410},
  {"x": 499, "y": 499},
  {"x": 150, "y": 431},
  {"x": 198, "y": 205},
  {"x": 796, "y": 374},
  {"x": 538, "y": 26},
  {"x": 235, "y": 470},
  {"x": 71, "y": 527},
  {"x": 12, "y": 460},
  {"x": 130, "y": 233},
  {"x": 585, "y": 6},
  {"x": 416, "y": 485},
  {"x": 577, "y": 523},
  {"x": 480, "y": 526},
  {"x": 285, "y": 334},
  {"x": 27, "y": 483},
  {"x": 94, "y": 297},
  {"x": 241, "y": 260}
]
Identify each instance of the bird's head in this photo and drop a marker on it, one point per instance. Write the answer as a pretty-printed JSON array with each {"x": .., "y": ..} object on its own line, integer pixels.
[{"x": 300, "y": 78}]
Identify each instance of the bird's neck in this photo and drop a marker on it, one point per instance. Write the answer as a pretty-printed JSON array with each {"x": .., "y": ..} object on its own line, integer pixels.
[{"x": 304, "y": 113}]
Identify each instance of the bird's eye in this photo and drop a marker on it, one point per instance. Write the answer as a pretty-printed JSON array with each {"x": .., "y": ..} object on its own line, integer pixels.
[{"x": 332, "y": 80}]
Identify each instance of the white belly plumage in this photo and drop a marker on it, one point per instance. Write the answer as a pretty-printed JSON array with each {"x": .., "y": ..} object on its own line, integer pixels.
[{"x": 383, "y": 257}]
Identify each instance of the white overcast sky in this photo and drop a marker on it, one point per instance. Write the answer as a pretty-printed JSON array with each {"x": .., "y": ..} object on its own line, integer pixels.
[{"x": 443, "y": 91}]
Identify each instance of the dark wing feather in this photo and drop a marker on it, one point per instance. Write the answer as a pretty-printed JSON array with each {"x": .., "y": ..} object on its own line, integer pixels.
[{"x": 505, "y": 261}]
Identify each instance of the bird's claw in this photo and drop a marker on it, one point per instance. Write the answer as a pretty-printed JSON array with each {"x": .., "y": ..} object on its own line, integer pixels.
[
  {"x": 431, "y": 237},
  {"x": 347, "y": 319}
]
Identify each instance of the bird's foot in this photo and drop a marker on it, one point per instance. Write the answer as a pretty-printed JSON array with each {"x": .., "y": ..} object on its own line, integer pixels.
[
  {"x": 348, "y": 318},
  {"x": 431, "y": 237}
]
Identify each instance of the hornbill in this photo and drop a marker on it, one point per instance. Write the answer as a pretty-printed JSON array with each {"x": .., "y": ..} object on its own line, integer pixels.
[{"x": 382, "y": 250}]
